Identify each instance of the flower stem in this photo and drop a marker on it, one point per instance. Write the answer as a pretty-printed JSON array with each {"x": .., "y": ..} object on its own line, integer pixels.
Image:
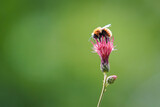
[{"x": 103, "y": 89}]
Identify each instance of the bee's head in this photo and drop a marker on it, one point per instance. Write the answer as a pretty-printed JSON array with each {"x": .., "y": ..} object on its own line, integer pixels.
[{"x": 96, "y": 32}]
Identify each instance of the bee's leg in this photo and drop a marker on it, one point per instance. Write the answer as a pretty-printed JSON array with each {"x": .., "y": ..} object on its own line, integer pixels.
[
  {"x": 107, "y": 39},
  {"x": 99, "y": 39},
  {"x": 100, "y": 36}
]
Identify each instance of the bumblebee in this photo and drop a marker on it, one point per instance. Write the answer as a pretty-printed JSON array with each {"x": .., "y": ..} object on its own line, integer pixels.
[{"x": 104, "y": 31}]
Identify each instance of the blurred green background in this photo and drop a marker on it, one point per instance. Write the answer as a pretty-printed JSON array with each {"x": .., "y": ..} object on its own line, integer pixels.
[{"x": 47, "y": 61}]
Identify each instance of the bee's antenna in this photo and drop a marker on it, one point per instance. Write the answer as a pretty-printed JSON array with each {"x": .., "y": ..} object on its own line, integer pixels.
[
  {"x": 107, "y": 26},
  {"x": 90, "y": 39}
]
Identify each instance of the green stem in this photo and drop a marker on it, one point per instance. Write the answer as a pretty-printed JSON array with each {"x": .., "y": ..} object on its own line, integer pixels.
[{"x": 103, "y": 89}]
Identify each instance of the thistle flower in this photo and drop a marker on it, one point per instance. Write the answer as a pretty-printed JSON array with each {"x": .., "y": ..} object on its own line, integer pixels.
[{"x": 103, "y": 47}]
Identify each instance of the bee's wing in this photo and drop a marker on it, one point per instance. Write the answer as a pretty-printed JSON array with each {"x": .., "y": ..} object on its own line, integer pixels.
[{"x": 107, "y": 26}]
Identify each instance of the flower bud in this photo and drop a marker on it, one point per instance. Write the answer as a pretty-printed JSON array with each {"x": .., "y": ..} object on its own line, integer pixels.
[{"x": 111, "y": 79}]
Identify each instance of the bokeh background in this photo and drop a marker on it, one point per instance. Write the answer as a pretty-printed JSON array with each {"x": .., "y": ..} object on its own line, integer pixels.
[{"x": 47, "y": 61}]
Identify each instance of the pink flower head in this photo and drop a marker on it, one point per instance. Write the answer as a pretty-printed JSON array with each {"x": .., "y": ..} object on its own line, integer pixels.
[{"x": 103, "y": 47}]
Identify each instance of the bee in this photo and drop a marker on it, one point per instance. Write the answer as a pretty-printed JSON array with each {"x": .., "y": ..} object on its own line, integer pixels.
[{"x": 99, "y": 32}]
